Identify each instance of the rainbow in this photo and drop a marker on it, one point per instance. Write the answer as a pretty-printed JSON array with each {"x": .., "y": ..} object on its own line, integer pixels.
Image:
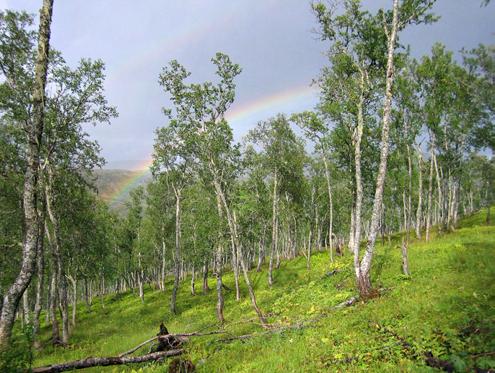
[
  {"x": 263, "y": 107},
  {"x": 250, "y": 111},
  {"x": 127, "y": 184},
  {"x": 173, "y": 42}
]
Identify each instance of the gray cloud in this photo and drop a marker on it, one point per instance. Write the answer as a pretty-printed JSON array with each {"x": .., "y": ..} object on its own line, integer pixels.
[{"x": 271, "y": 40}]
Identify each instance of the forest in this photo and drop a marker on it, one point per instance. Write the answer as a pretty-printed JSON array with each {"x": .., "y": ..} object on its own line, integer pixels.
[{"x": 356, "y": 236}]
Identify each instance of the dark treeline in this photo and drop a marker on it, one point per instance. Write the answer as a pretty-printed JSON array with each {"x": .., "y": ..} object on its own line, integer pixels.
[{"x": 398, "y": 144}]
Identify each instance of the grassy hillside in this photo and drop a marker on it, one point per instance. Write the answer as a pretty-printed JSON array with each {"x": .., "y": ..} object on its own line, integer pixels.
[{"x": 446, "y": 309}]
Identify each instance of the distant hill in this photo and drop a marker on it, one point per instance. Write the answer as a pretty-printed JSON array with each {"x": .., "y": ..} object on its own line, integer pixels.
[{"x": 114, "y": 186}]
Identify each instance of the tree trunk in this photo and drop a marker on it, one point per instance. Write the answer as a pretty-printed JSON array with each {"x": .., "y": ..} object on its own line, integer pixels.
[
  {"x": 73, "y": 280},
  {"x": 106, "y": 361},
  {"x": 34, "y": 133},
  {"x": 173, "y": 299},
  {"x": 25, "y": 307},
  {"x": 261, "y": 250},
  {"x": 405, "y": 260},
  {"x": 430, "y": 197},
  {"x": 40, "y": 269},
  {"x": 162, "y": 275},
  {"x": 356, "y": 227},
  {"x": 193, "y": 285},
  {"x": 308, "y": 253},
  {"x": 53, "y": 308},
  {"x": 330, "y": 205},
  {"x": 140, "y": 282},
  {"x": 274, "y": 245},
  {"x": 87, "y": 296},
  {"x": 218, "y": 267},
  {"x": 218, "y": 276},
  {"x": 420, "y": 196},
  {"x": 351, "y": 229},
  {"x": 364, "y": 278},
  {"x": 235, "y": 241},
  {"x": 235, "y": 269},
  {"x": 439, "y": 191},
  {"x": 409, "y": 193},
  {"x": 57, "y": 255},
  {"x": 206, "y": 288}
]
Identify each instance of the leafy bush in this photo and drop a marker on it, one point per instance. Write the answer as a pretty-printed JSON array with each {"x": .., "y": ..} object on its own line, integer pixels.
[{"x": 18, "y": 357}]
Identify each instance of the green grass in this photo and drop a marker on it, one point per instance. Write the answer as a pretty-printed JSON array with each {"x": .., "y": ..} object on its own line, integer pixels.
[{"x": 446, "y": 308}]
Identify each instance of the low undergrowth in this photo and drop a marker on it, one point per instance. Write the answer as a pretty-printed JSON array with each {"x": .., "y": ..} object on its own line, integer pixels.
[{"x": 445, "y": 311}]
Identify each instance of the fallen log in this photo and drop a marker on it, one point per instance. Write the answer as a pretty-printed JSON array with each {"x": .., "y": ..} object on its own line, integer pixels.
[
  {"x": 106, "y": 361},
  {"x": 167, "y": 337}
]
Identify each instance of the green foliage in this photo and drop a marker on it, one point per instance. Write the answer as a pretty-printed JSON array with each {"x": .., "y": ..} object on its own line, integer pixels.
[{"x": 18, "y": 357}]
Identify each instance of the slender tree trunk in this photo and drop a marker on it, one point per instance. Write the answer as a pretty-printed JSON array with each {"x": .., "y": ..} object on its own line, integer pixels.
[
  {"x": 274, "y": 246},
  {"x": 90, "y": 293},
  {"x": 471, "y": 202},
  {"x": 206, "y": 288},
  {"x": 420, "y": 195},
  {"x": 405, "y": 239},
  {"x": 25, "y": 307},
  {"x": 57, "y": 255},
  {"x": 308, "y": 253},
  {"x": 364, "y": 278},
  {"x": 429, "y": 214},
  {"x": 317, "y": 230},
  {"x": 261, "y": 250},
  {"x": 358, "y": 134},
  {"x": 450, "y": 199},
  {"x": 101, "y": 291},
  {"x": 53, "y": 307},
  {"x": 235, "y": 269},
  {"x": 235, "y": 241},
  {"x": 440, "y": 199},
  {"x": 177, "y": 259},
  {"x": 162, "y": 277},
  {"x": 405, "y": 260},
  {"x": 40, "y": 269},
  {"x": 352, "y": 227},
  {"x": 74, "y": 302},
  {"x": 140, "y": 280},
  {"x": 218, "y": 267},
  {"x": 409, "y": 193},
  {"x": 34, "y": 132},
  {"x": 193, "y": 285},
  {"x": 73, "y": 281},
  {"x": 86, "y": 294},
  {"x": 330, "y": 205}
]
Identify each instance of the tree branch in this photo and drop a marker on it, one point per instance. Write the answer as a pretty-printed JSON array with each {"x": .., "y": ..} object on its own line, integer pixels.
[
  {"x": 167, "y": 337},
  {"x": 106, "y": 361}
]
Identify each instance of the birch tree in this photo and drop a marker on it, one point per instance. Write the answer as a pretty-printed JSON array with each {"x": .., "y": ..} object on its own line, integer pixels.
[
  {"x": 199, "y": 117},
  {"x": 172, "y": 158},
  {"x": 280, "y": 152},
  {"x": 403, "y": 13},
  {"x": 34, "y": 132}
]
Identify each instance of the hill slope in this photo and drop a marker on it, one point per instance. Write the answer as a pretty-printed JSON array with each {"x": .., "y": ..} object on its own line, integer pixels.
[{"x": 445, "y": 310}]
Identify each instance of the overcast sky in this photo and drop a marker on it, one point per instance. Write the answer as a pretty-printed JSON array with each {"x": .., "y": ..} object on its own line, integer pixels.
[{"x": 272, "y": 40}]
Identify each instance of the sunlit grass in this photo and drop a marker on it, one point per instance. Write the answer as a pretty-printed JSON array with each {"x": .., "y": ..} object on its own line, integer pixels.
[{"x": 446, "y": 308}]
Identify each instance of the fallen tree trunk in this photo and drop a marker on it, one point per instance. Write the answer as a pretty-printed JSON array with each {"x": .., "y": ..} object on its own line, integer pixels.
[
  {"x": 105, "y": 361},
  {"x": 167, "y": 337}
]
